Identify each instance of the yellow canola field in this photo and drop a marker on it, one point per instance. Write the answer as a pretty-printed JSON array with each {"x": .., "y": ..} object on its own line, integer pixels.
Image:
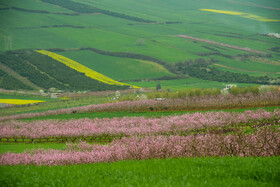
[
  {"x": 242, "y": 14},
  {"x": 19, "y": 101},
  {"x": 81, "y": 68}
]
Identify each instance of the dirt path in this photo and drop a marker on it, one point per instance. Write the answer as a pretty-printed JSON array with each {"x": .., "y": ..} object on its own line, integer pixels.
[
  {"x": 222, "y": 44},
  {"x": 19, "y": 77},
  {"x": 244, "y": 69}
]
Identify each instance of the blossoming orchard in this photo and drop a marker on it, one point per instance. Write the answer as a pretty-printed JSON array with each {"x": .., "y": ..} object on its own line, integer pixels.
[{"x": 251, "y": 133}]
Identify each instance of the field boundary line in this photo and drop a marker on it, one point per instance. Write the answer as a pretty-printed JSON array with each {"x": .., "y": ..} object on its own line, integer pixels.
[{"x": 222, "y": 44}]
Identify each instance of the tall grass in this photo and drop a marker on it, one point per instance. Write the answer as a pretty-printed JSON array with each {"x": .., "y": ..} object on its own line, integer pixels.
[{"x": 227, "y": 171}]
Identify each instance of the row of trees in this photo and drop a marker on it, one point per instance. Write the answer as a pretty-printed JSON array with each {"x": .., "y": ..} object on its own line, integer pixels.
[
  {"x": 74, "y": 79},
  {"x": 201, "y": 68},
  {"x": 26, "y": 69},
  {"x": 8, "y": 82}
]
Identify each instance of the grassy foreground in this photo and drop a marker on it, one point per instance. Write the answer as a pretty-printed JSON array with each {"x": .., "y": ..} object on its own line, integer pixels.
[{"x": 228, "y": 171}]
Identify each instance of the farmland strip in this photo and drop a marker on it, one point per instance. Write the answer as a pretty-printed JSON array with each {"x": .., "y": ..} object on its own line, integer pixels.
[
  {"x": 81, "y": 68},
  {"x": 187, "y": 104},
  {"x": 242, "y": 14},
  {"x": 110, "y": 53},
  {"x": 84, "y": 8},
  {"x": 40, "y": 11},
  {"x": 244, "y": 69},
  {"x": 222, "y": 44}
]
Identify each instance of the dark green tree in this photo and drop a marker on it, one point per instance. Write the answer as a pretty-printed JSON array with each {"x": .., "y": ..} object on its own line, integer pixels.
[{"x": 158, "y": 87}]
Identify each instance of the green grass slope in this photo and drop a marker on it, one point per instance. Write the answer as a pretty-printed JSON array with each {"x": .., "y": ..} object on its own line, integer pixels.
[
  {"x": 118, "y": 68},
  {"x": 148, "y": 28},
  {"x": 166, "y": 172}
]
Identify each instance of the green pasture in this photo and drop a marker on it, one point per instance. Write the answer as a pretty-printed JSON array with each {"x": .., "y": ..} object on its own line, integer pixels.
[
  {"x": 21, "y": 30},
  {"x": 21, "y": 147},
  {"x": 120, "y": 26},
  {"x": 249, "y": 65},
  {"x": 34, "y": 5},
  {"x": 227, "y": 171},
  {"x": 256, "y": 74},
  {"x": 183, "y": 84},
  {"x": 118, "y": 68},
  {"x": 147, "y": 9}
]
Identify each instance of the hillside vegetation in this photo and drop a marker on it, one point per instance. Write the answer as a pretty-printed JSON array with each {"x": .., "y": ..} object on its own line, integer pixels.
[
  {"x": 47, "y": 72},
  {"x": 132, "y": 40}
]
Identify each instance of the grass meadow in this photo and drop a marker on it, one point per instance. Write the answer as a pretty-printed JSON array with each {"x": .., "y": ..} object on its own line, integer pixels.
[
  {"x": 118, "y": 68},
  {"x": 184, "y": 84},
  {"x": 154, "y": 172}
]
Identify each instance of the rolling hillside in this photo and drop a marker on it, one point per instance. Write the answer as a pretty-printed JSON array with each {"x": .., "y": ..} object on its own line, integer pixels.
[
  {"x": 46, "y": 72},
  {"x": 131, "y": 41}
]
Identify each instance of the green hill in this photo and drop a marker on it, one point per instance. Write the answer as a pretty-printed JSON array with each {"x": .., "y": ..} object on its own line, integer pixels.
[{"x": 133, "y": 40}]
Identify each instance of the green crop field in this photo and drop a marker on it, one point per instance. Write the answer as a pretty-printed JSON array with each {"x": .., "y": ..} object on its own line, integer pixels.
[
  {"x": 183, "y": 84},
  {"x": 22, "y": 29},
  {"x": 17, "y": 148},
  {"x": 167, "y": 172},
  {"x": 118, "y": 68},
  {"x": 249, "y": 72}
]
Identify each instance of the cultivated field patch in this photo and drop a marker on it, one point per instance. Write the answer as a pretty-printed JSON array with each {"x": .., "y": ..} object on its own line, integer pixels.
[
  {"x": 242, "y": 14},
  {"x": 19, "y": 101},
  {"x": 81, "y": 68}
]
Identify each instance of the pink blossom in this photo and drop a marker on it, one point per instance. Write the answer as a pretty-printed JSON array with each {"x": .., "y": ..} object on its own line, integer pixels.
[
  {"x": 265, "y": 142},
  {"x": 129, "y": 126}
]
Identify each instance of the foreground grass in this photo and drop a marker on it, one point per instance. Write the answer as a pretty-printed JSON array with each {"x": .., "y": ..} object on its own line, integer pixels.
[
  {"x": 135, "y": 114},
  {"x": 228, "y": 171}
]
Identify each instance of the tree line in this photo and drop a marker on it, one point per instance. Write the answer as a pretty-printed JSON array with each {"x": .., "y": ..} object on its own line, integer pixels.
[
  {"x": 201, "y": 68},
  {"x": 8, "y": 82}
]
